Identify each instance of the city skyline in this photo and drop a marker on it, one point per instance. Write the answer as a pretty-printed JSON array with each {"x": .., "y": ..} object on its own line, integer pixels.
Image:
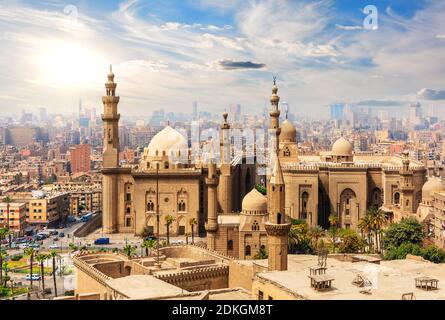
[{"x": 220, "y": 54}]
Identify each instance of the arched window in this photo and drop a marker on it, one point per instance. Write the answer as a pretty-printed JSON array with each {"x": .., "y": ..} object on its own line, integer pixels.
[
  {"x": 278, "y": 218},
  {"x": 304, "y": 204},
  {"x": 181, "y": 206},
  {"x": 248, "y": 251},
  {"x": 150, "y": 206},
  {"x": 396, "y": 198},
  {"x": 230, "y": 245},
  {"x": 255, "y": 226},
  {"x": 128, "y": 210},
  {"x": 128, "y": 221},
  {"x": 286, "y": 152}
]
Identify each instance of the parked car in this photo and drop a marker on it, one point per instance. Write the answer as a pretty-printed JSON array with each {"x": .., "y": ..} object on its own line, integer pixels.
[
  {"x": 35, "y": 277},
  {"x": 61, "y": 235},
  {"x": 102, "y": 241},
  {"x": 34, "y": 245},
  {"x": 23, "y": 245},
  {"x": 54, "y": 246}
]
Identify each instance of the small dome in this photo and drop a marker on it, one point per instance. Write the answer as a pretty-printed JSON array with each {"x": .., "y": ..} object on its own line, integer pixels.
[
  {"x": 168, "y": 139},
  {"x": 342, "y": 147},
  {"x": 254, "y": 201},
  {"x": 288, "y": 132},
  {"x": 432, "y": 185}
]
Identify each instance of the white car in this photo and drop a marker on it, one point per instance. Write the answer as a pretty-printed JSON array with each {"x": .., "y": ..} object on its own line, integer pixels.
[
  {"x": 54, "y": 246},
  {"x": 23, "y": 245}
]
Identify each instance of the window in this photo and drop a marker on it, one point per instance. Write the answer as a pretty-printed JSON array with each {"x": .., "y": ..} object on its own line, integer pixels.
[
  {"x": 279, "y": 218},
  {"x": 181, "y": 206},
  {"x": 128, "y": 197},
  {"x": 248, "y": 251},
  {"x": 230, "y": 245},
  {"x": 260, "y": 295},
  {"x": 396, "y": 198},
  {"x": 128, "y": 221},
  {"x": 255, "y": 226},
  {"x": 150, "y": 206},
  {"x": 128, "y": 210},
  {"x": 347, "y": 212}
]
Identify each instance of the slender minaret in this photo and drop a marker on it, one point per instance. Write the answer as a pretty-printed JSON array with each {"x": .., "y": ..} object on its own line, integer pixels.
[
  {"x": 277, "y": 227},
  {"x": 407, "y": 201},
  {"x": 225, "y": 185},
  {"x": 274, "y": 127},
  {"x": 212, "y": 205},
  {"x": 110, "y": 170}
]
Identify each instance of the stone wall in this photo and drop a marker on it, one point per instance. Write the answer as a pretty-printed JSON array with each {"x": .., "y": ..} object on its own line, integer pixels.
[{"x": 90, "y": 226}]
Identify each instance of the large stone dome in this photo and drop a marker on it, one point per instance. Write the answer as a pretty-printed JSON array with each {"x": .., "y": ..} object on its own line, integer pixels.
[
  {"x": 288, "y": 132},
  {"x": 433, "y": 184},
  {"x": 254, "y": 202},
  {"x": 342, "y": 147},
  {"x": 167, "y": 140}
]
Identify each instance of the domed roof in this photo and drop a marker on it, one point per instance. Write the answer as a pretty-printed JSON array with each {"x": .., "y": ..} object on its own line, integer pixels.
[
  {"x": 288, "y": 132},
  {"x": 342, "y": 147},
  {"x": 432, "y": 185},
  {"x": 254, "y": 201},
  {"x": 168, "y": 139}
]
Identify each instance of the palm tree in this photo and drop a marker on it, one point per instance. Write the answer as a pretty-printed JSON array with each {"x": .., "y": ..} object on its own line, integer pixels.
[
  {"x": 8, "y": 201},
  {"x": 3, "y": 267},
  {"x": 41, "y": 258},
  {"x": 380, "y": 219},
  {"x": 192, "y": 223},
  {"x": 129, "y": 250},
  {"x": 3, "y": 233},
  {"x": 53, "y": 255},
  {"x": 148, "y": 245},
  {"x": 333, "y": 221},
  {"x": 168, "y": 221},
  {"x": 366, "y": 227},
  {"x": 30, "y": 252},
  {"x": 316, "y": 233}
]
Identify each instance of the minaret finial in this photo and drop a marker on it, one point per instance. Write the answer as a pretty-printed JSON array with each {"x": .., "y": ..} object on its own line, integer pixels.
[
  {"x": 111, "y": 68},
  {"x": 274, "y": 80}
]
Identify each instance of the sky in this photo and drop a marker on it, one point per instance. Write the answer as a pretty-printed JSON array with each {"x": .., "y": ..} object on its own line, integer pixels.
[{"x": 220, "y": 52}]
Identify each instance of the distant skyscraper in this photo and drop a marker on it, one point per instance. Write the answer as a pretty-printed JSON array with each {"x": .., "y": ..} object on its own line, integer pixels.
[
  {"x": 337, "y": 111},
  {"x": 235, "y": 112},
  {"x": 195, "y": 110},
  {"x": 415, "y": 113},
  {"x": 43, "y": 117}
]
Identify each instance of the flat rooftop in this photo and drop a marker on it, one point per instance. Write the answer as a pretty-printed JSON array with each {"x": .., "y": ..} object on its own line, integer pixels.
[
  {"x": 143, "y": 287},
  {"x": 390, "y": 279}
]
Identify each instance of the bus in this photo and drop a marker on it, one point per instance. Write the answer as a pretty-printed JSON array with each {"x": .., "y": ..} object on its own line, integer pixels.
[{"x": 86, "y": 217}]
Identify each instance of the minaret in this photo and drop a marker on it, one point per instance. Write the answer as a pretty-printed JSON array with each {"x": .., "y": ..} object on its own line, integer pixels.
[
  {"x": 225, "y": 185},
  {"x": 407, "y": 201},
  {"x": 277, "y": 227},
  {"x": 274, "y": 126},
  {"x": 110, "y": 170},
  {"x": 212, "y": 205}
]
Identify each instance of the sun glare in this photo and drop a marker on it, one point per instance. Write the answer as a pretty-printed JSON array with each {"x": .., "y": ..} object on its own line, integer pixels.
[{"x": 64, "y": 64}]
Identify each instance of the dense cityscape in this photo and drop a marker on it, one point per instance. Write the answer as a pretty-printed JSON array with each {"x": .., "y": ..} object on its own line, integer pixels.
[{"x": 264, "y": 201}]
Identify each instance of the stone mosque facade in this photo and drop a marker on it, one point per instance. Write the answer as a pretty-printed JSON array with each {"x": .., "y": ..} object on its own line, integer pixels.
[{"x": 237, "y": 219}]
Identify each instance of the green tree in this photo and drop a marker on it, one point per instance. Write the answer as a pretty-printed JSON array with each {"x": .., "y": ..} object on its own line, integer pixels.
[
  {"x": 261, "y": 254},
  {"x": 366, "y": 225},
  {"x": 299, "y": 240},
  {"x": 400, "y": 252},
  {"x": 3, "y": 233},
  {"x": 41, "y": 258},
  {"x": 193, "y": 223},
  {"x": 30, "y": 252},
  {"x": 261, "y": 189},
  {"x": 407, "y": 230},
  {"x": 53, "y": 255},
  {"x": 434, "y": 254},
  {"x": 148, "y": 245},
  {"x": 168, "y": 222},
  {"x": 8, "y": 202},
  {"x": 333, "y": 230},
  {"x": 378, "y": 219},
  {"x": 129, "y": 250},
  {"x": 73, "y": 247},
  {"x": 316, "y": 233},
  {"x": 351, "y": 242}
]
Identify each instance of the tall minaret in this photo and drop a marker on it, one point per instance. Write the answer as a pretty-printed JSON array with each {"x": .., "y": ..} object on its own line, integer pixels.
[
  {"x": 407, "y": 200},
  {"x": 225, "y": 185},
  {"x": 212, "y": 205},
  {"x": 110, "y": 170},
  {"x": 274, "y": 126},
  {"x": 277, "y": 227}
]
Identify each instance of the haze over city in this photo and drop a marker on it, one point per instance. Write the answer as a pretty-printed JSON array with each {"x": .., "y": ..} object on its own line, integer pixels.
[{"x": 170, "y": 53}]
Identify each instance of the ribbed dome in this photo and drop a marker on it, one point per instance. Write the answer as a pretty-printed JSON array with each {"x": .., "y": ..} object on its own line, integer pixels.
[
  {"x": 288, "y": 132},
  {"x": 432, "y": 185},
  {"x": 254, "y": 201},
  {"x": 342, "y": 147},
  {"x": 168, "y": 139}
]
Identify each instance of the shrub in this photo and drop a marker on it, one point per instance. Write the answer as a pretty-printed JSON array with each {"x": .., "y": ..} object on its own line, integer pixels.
[
  {"x": 261, "y": 189},
  {"x": 16, "y": 257},
  {"x": 400, "y": 252},
  {"x": 433, "y": 254},
  {"x": 351, "y": 242}
]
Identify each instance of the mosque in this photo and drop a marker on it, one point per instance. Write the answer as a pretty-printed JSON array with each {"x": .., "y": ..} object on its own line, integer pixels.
[{"x": 236, "y": 218}]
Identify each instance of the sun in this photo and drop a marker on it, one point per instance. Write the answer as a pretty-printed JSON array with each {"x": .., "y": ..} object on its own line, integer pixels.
[{"x": 67, "y": 64}]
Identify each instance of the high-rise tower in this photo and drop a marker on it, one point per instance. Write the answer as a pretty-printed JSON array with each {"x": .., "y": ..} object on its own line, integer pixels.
[
  {"x": 110, "y": 170},
  {"x": 277, "y": 227}
]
